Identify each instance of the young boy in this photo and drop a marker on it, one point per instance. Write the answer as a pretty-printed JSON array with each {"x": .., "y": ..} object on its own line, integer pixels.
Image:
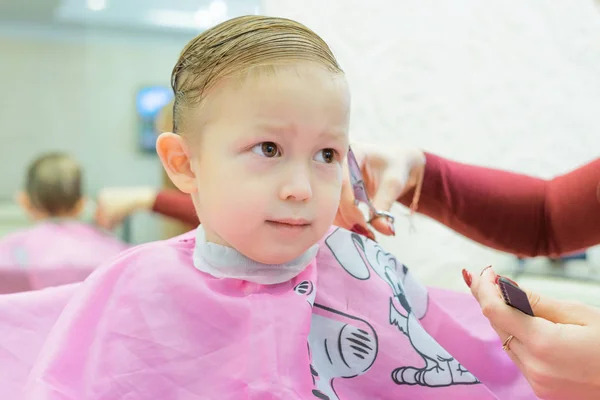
[
  {"x": 265, "y": 300},
  {"x": 58, "y": 249}
]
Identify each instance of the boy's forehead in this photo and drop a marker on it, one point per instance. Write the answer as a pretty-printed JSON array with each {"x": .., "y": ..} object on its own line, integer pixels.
[
  {"x": 269, "y": 92},
  {"x": 280, "y": 101},
  {"x": 316, "y": 93}
]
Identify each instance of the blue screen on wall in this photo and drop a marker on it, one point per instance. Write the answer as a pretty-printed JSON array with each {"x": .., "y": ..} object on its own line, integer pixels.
[{"x": 149, "y": 102}]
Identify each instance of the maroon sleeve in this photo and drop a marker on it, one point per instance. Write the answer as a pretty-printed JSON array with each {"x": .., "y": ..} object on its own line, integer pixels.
[
  {"x": 511, "y": 212},
  {"x": 175, "y": 204}
]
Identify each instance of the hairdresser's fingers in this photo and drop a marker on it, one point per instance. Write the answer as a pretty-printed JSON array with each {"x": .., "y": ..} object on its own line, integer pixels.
[
  {"x": 515, "y": 349},
  {"x": 99, "y": 218},
  {"x": 371, "y": 170},
  {"x": 386, "y": 195},
  {"x": 514, "y": 322},
  {"x": 514, "y": 346},
  {"x": 99, "y": 214},
  {"x": 399, "y": 180},
  {"x": 349, "y": 215},
  {"x": 562, "y": 311},
  {"x": 492, "y": 305},
  {"x": 102, "y": 218}
]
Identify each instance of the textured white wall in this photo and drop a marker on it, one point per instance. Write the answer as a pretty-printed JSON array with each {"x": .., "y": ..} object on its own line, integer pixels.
[{"x": 510, "y": 84}]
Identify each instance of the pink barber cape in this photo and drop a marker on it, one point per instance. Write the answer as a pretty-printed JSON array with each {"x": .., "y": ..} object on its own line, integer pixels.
[
  {"x": 26, "y": 318},
  {"x": 53, "y": 253},
  {"x": 353, "y": 325}
]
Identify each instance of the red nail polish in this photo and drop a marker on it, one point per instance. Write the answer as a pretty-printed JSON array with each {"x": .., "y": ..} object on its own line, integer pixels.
[
  {"x": 360, "y": 230},
  {"x": 513, "y": 282},
  {"x": 508, "y": 279},
  {"x": 467, "y": 277},
  {"x": 391, "y": 225},
  {"x": 485, "y": 269}
]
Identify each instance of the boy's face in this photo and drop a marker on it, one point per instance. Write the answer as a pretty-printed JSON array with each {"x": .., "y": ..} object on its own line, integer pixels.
[{"x": 267, "y": 166}]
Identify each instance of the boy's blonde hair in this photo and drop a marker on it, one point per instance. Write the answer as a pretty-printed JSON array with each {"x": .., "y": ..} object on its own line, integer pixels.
[
  {"x": 236, "y": 46},
  {"x": 53, "y": 183}
]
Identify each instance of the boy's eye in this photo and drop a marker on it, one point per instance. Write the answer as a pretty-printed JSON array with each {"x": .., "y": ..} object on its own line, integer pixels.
[
  {"x": 267, "y": 149},
  {"x": 325, "y": 156}
]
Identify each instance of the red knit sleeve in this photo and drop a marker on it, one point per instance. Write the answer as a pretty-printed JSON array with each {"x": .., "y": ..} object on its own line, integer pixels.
[
  {"x": 175, "y": 204},
  {"x": 511, "y": 212}
]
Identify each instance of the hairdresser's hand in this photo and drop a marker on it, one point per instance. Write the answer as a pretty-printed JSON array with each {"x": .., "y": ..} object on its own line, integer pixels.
[
  {"x": 115, "y": 204},
  {"x": 558, "y": 351},
  {"x": 389, "y": 173}
]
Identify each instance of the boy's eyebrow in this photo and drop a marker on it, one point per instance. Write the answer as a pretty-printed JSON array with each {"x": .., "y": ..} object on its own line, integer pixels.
[
  {"x": 278, "y": 128},
  {"x": 291, "y": 129},
  {"x": 335, "y": 134}
]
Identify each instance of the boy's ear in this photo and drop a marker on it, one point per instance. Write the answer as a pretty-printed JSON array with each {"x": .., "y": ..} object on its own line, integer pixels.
[
  {"x": 24, "y": 202},
  {"x": 176, "y": 160},
  {"x": 79, "y": 207}
]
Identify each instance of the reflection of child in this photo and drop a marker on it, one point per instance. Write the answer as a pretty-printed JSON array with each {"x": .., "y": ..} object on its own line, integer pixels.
[
  {"x": 59, "y": 249},
  {"x": 264, "y": 300}
]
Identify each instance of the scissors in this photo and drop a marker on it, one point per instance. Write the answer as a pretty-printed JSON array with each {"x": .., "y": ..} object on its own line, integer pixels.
[{"x": 360, "y": 191}]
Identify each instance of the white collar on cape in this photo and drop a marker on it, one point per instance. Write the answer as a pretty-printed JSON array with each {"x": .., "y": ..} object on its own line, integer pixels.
[{"x": 226, "y": 262}]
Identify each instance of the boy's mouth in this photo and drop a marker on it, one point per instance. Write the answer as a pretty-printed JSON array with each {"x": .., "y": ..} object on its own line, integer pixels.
[{"x": 290, "y": 222}]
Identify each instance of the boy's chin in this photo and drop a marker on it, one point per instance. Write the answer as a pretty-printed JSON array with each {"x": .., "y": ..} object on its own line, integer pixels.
[{"x": 268, "y": 256}]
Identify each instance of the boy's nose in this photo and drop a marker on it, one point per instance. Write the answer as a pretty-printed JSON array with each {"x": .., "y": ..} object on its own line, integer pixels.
[{"x": 297, "y": 186}]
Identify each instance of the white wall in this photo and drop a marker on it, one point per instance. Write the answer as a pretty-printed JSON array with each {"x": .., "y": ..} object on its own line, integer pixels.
[{"x": 510, "y": 84}]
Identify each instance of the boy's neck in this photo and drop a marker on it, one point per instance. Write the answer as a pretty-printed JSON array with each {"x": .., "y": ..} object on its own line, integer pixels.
[{"x": 39, "y": 216}]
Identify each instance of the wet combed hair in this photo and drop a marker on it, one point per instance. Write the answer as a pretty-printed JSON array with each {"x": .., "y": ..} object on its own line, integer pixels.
[
  {"x": 237, "y": 46},
  {"x": 54, "y": 183}
]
